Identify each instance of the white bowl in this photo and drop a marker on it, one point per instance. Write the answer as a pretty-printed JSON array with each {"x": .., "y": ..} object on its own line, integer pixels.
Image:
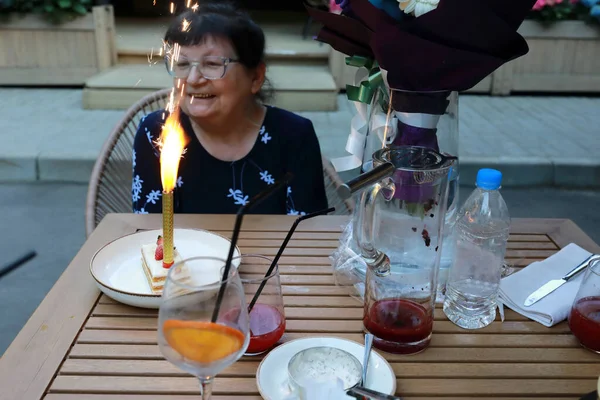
[{"x": 117, "y": 267}]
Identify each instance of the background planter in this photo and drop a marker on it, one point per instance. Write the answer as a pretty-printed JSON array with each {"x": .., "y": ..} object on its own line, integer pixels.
[
  {"x": 563, "y": 56},
  {"x": 35, "y": 52}
]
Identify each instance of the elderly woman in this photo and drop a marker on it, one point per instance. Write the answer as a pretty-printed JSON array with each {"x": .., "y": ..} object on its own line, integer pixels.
[{"x": 237, "y": 145}]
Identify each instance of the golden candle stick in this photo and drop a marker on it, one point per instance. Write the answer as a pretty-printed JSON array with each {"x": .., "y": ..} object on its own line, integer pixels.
[
  {"x": 167, "y": 217},
  {"x": 173, "y": 142}
]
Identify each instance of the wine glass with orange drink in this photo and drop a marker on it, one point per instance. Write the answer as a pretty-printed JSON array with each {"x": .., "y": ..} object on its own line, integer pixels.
[{"x": 189, "y": 335}]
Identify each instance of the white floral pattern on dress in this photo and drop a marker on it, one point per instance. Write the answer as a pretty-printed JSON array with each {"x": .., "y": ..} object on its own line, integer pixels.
[
  {"x": 238, "y": 196},
  {"x": 153, "y": 196},
  {"x": 291, "y": 208},
  {"x": 264, "y": 135},
  {"x": 266, "y": 177}
]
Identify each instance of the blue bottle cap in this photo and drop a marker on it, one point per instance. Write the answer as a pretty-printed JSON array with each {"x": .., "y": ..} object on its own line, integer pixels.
[{"x": 489, "y": 179}]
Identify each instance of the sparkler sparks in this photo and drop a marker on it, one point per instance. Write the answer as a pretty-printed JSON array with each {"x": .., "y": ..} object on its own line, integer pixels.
[{"x": 185, "y": 25}]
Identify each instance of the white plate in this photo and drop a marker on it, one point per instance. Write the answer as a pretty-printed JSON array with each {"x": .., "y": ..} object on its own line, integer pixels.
[
  {"x": 117, "y": 267},
  {"x": 272, "y": 374}
]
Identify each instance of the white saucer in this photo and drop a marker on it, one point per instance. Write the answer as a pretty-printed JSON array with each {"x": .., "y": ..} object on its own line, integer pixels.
[
  {"x": 117, "y": 267},
  {"x": 272, "y": 374}
]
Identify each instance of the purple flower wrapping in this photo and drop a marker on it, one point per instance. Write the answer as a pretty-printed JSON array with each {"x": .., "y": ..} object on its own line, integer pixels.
[{"x": 413, "y": 136}]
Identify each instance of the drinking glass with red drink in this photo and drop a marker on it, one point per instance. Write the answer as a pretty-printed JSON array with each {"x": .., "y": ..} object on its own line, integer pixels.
[
  {"x": 584, "y": 319},
  {"x": 267, "y": 316}
]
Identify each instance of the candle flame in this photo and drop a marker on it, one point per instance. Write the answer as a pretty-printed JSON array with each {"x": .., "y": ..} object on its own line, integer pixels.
[
  {"x": 173, "y": 142},
  {"x": 195, "y": 7}
]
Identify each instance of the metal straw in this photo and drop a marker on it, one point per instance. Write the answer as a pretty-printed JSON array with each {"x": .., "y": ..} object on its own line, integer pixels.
[
  {"x": 236, "y": 232},
  {"x": 282, "y": 248}
]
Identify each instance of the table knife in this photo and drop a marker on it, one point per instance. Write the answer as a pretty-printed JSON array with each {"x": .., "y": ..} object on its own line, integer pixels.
[{"x": 554, "y": 284}]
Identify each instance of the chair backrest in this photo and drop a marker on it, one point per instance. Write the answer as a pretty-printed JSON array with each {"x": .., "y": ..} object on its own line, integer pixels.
[{"x": 110, "y": 184}]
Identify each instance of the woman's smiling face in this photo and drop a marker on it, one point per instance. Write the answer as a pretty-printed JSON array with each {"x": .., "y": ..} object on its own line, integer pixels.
[{"x": 216, "y": 100}]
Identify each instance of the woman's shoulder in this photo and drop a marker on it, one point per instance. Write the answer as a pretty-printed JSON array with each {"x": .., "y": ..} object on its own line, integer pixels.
[
  {"x": 153, "y": 120},
  {"x": 292, "y": 122}
]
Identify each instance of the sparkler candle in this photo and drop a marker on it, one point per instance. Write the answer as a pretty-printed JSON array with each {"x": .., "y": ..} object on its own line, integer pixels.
[{"x": 172, "y": 144}]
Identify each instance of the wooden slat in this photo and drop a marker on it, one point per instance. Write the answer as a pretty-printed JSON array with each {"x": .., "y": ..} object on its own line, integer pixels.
[
  {"x": 342, "y": 325},
  {"x": 98, "y": 336},
  {"x": 279, "y": 236},
  {"x": 101, "y": 336},
  {"x": 293, "y": 304},
  {"x": 78, "y": 396},
  {"x": 66, "y": 396},
  {"x": 440, "y": 354},
  {"x": 290, "y": 252},
  {"x": 292, "y": 244},
  {"x": 151, "y": 385},
  {"x": 402, "y": 370},
  {"x": 408, "y": 387},
  {"x": 326, "y": 308}
]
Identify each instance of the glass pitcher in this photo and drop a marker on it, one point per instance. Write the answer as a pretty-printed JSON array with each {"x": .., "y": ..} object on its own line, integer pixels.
[{"x": 398, "y": 232}]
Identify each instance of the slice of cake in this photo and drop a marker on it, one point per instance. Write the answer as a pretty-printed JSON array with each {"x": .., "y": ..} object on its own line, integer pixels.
[{"x": 152, "y": 263}]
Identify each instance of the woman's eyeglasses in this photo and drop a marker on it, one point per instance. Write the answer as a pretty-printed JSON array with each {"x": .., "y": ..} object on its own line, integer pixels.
[{"x": 210, "y": 67}]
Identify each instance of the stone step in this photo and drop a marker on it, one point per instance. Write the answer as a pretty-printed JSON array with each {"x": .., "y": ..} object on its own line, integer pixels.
[
  {"x": 297, "y": 87},
  {"x": 138, "y": 38}
]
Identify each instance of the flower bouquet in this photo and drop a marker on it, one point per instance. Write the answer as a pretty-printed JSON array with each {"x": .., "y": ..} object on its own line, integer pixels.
[
  {"x": 417, "y": 53},
  {"x": 423, "y": 50}
]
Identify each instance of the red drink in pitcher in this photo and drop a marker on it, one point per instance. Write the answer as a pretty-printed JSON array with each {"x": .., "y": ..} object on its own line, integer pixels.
[
  {"x": 399, "y": 326},
  {"x": 584, "y": 322},
  {"x": 267, "y": 325}
]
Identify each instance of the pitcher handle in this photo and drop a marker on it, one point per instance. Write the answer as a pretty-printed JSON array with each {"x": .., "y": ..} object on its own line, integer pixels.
[{"x": 364, "y": 229}]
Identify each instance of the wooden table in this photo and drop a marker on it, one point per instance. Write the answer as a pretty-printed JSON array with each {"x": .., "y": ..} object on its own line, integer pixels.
[{"x": 80, "y": 345}]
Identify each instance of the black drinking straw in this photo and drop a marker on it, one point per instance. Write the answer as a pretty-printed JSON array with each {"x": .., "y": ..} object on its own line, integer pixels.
[
  {"x": 282, "y": 248},
  {"x": 236, "y": 232},
  {"x": 17, "y": 263}
]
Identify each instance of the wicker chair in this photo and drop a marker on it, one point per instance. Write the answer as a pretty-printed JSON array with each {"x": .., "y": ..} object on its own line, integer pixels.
[{"x": 110, "y": 184}]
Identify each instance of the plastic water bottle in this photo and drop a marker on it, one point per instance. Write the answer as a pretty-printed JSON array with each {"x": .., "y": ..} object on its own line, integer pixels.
[{"x": 482, "y": 231}]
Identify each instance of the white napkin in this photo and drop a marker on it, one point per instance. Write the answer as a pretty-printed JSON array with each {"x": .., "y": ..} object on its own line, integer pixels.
[{"x": 555, "y": 307}]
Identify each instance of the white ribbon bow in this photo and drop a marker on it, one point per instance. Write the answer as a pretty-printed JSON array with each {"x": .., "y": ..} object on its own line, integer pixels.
[{"x": 381, "y": 125}]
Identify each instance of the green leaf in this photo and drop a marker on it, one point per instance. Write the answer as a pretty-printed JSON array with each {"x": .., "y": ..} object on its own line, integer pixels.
[
  {"x": 79, "y": 9},
  {"x": 65, "y": 3},
  {"x": 49, "y": 8}
]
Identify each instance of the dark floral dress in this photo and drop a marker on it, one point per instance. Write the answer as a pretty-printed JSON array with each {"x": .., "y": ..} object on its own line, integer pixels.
[{"x": 206, "y": 185}]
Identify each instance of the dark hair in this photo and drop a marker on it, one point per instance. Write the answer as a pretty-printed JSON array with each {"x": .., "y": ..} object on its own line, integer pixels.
[{"x": 222, "y": 19}]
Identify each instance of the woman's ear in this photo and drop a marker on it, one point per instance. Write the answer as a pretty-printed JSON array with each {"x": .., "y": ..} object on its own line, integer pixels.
[{"x": 258, "y": 78}]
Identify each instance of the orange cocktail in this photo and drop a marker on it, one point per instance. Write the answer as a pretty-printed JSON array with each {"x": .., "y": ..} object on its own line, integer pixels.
[
  {"x": 194, "y": 333},
  {"x": 203, "y": 342}
]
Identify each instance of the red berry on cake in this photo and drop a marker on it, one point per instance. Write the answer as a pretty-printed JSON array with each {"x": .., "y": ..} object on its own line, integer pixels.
[
  {"x": 158, "y": 254},
  {"x": 159, "y": 241}
]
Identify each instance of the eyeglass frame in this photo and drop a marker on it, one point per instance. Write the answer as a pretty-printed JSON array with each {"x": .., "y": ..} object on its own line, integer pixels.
[{"x": 195, "y": 64}]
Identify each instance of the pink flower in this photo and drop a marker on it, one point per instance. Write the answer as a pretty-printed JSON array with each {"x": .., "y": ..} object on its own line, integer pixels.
[
  {"x": 574, "y": 1},
  {"x": 539, "y": 4}
]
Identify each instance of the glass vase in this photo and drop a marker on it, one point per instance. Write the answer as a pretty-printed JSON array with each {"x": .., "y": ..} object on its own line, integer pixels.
[{"x": 427, "y": 119}]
